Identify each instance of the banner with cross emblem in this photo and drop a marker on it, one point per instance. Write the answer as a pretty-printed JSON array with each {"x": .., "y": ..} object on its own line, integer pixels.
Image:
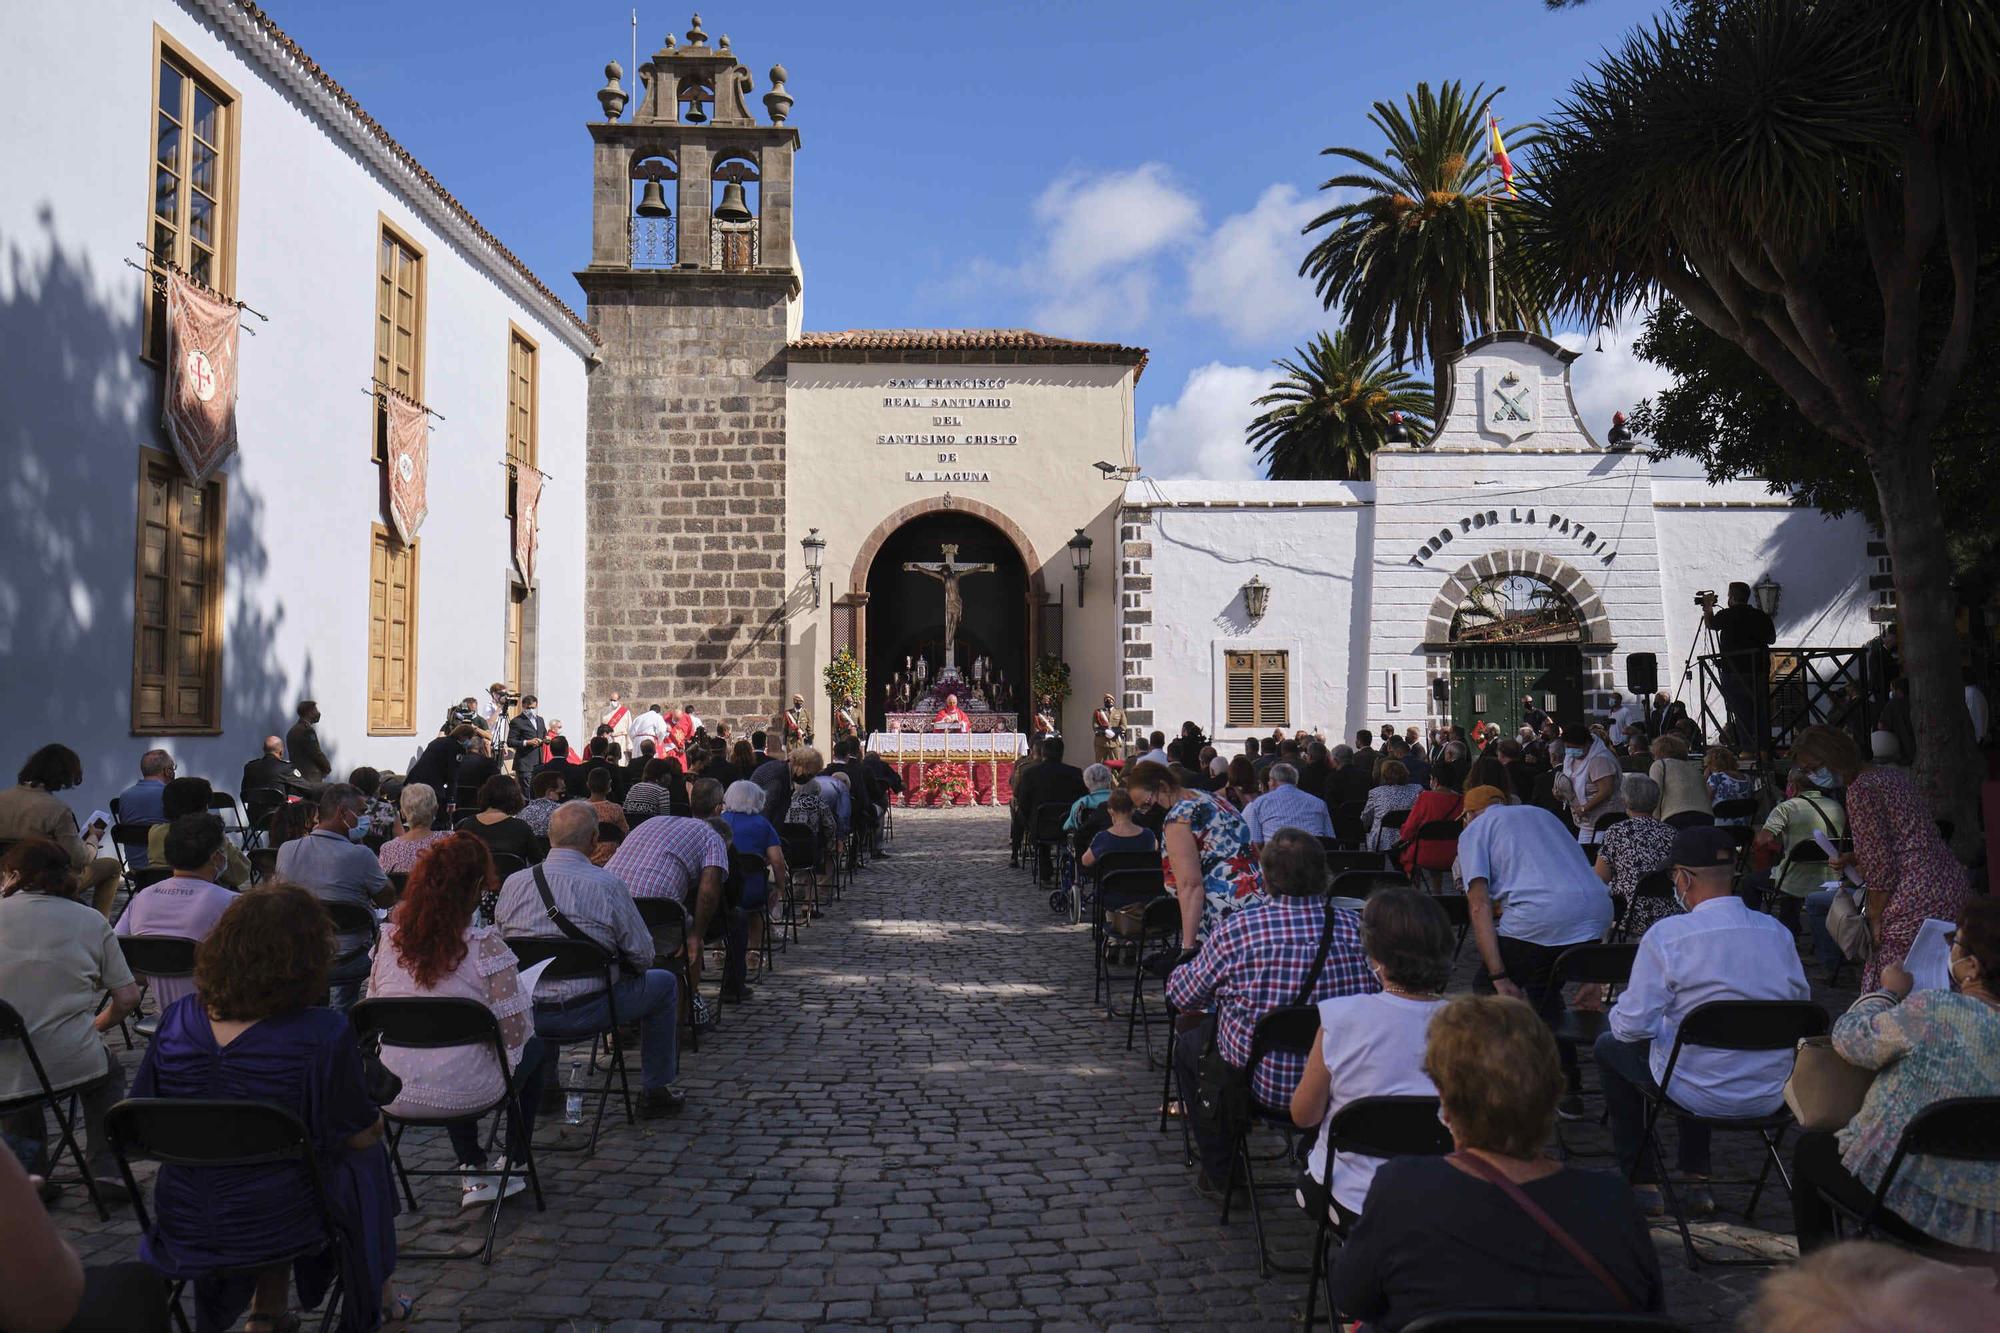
[
  {"x": 409, "y": 463},
  {"x": 198, "y": 408},
  {"x": 527, "y": 498}
]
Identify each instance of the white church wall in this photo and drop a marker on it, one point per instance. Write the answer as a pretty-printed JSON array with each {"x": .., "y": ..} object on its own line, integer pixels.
[
  {"x": 77, "y": 404},
  {"x": 1305, "y": 541}
]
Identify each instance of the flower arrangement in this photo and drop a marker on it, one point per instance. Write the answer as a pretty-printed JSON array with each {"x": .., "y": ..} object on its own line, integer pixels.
[
  {"x": 1050, "y": 679},
  {"x": 946, "y": 784},
  {"x": 844, "y": 678}
]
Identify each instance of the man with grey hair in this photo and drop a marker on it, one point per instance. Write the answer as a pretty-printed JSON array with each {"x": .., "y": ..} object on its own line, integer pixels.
[
  {"x": 1284, "y": 806},
  {"x": 1351, "y": 778},
  {"x": 335, "y": 866},
  {"x": 597, "y": 904}
]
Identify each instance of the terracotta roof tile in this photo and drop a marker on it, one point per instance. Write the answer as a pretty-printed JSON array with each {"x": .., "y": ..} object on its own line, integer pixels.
[
  {"x": 416, "y": 168},
  {"x": 899, "y": 343}
]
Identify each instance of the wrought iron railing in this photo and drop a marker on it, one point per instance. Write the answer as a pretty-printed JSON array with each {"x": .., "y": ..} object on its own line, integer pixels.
[
  {"x": 650, "y": 242},
  {"x": 1760, "y": 700}
]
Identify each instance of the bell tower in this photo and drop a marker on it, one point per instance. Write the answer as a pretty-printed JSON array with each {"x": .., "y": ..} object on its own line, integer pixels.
[{"x": 693, "y": 286}]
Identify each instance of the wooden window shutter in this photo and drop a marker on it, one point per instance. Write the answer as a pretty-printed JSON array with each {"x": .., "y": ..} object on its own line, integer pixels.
[
  {"x": 392, "y": 650},
  {"x": 1240, "y": 686},
  {"x": 1273, "y": 679},
  {"x": 1256, "y": 689},
  {"x": 177, "y": 603}
]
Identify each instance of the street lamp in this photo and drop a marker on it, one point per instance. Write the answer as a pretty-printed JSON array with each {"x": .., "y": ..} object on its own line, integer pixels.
[
  {"x": 1256, "y": 597},
  {"x": 814, "y": 547},
  {"x": 1079, "y": 560},
  {"x": 1766, "y": 592}
]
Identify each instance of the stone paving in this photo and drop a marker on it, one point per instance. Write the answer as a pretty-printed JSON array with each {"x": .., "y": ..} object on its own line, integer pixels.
[{"x": 920, "y": 1121}]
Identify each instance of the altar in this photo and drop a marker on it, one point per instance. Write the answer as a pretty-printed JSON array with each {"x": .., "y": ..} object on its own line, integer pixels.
[{"x": 987, "y": 758}]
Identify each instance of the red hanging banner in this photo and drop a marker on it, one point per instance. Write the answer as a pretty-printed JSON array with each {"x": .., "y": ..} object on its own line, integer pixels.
[
  {"x": 409, "y": 463},
  {"x": 198, "y": 408},
  {"x": 527, "y": 496}
]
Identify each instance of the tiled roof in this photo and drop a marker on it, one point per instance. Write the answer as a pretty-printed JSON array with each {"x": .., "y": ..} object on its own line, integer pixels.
[
  {"x": 370, "y": 126},
  {"x": 1040, "y": 347}
]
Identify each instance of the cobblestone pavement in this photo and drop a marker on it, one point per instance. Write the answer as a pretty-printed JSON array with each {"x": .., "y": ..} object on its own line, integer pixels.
[{"x": 920, "y": 1121}]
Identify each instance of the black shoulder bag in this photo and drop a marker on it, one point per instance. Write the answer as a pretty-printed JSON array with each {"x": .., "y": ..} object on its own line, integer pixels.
[
  {"x": 568, "y": 927},
  {"x": 1222, "y": 1090}
]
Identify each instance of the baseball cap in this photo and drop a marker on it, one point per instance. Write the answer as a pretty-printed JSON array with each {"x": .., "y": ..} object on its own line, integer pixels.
[
  {"x": 1480, "y": 797},
  {"x": 1702, "y": 847}
]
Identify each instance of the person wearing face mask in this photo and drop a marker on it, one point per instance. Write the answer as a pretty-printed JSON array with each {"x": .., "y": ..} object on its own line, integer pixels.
[
  {"x": 1926, "y": 1047},
  {"x": 1717, "y": 948},
  {"x": 1903, "y": 861},
  {"x": 186, "y": 905},
  {"x": 333, "y": 864}
]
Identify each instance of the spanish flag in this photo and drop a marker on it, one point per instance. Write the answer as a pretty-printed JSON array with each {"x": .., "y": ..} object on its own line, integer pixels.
[{"x": 1500, "y": 158}]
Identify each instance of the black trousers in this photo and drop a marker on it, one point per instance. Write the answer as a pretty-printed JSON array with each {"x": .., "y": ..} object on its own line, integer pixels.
[
  {"x": 1819, "y": 1181},
  {"x": 1532, "y": 967}
]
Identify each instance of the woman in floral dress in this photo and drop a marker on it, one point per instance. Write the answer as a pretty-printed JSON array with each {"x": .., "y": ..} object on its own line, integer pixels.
[
  {"x": 1632, "y": 849},
  {"x": 1204, "y": 841},
  {"x": 1905, "y": 864}
]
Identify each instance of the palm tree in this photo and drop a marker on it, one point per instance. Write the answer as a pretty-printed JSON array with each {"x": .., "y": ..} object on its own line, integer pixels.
[
  {"x": 1333, "y": 409},
  {"x": 1407, "y": 260},
  {"x": 1729, "y": 155}
]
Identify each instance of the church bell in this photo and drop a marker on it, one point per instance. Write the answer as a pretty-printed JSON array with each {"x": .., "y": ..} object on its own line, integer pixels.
[
  {"x": 653, "y": 201},
  {"x": 733, "y": 207}
]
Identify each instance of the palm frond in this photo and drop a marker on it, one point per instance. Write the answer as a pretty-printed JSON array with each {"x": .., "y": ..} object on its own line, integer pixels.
[{"x": 1332, "y": 408}]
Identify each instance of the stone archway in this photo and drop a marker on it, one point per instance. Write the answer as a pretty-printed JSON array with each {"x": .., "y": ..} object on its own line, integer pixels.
[
  {"x": 872, "y": 618},
  {"x": 1534, "y": 564},
  {"x": 1566, "y": 673}
]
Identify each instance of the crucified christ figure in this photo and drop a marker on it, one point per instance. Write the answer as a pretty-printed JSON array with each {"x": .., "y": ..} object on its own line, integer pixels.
[{"x": 948, "y": 572}]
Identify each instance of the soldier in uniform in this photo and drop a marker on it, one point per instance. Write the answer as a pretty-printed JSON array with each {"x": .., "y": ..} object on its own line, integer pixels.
[
  {"x": 1107, "y": 729},
  {"x": 794, "y": 725}
]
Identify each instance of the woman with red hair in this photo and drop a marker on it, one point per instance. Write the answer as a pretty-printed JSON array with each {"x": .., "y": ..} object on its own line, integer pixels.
[{"x": 431, "y": 947}]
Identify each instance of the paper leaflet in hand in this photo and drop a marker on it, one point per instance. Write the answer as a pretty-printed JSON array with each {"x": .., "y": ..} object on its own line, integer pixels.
[
  {"x": 1929, "y": 959},
  {"x": 1826, "y": 845},
  {"x": 532, "y": 974}
]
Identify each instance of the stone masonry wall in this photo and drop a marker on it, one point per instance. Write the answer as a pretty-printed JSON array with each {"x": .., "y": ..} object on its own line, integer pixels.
[{"x": 686, "y": 494}]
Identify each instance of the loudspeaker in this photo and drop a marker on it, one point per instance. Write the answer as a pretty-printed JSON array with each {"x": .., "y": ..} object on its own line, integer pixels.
[
  {"x": 1441, "y": 690},
  {"x": 1642, "y": 673}
]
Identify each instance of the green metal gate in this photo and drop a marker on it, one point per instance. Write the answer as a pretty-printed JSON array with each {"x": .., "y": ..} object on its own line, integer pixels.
[{"x": 1489, "y": 681}]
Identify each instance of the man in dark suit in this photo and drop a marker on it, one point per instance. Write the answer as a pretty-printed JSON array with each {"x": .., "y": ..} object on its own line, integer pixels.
[
  {"x": 1046, "y": 783},
  {"x": 579, "y": 776},
  {"x": 302, "y": 744},
  {"x": 526, "y": 734},
  {"x": 867, "y": 797},
  {"x": 1350, "y": 780},
  {"x": 271, "y": 771}
]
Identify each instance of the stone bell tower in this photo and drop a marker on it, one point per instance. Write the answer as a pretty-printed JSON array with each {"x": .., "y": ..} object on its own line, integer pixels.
[{"x": 693, "y": 285}]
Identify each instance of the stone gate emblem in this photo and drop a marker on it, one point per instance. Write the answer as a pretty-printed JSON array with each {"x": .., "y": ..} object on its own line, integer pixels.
[{"x": 1511, "y": 396}]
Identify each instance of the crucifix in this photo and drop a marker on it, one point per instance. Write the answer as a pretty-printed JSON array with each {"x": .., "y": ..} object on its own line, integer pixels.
[{"x": 948, "y": 572}]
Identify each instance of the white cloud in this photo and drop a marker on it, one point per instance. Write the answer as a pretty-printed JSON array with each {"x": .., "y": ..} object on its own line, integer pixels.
[
  {"x": 1245, "y": 276},
  {"x": 1200, "y": 434},
  {"x": 1615, "y": 379},
  {"x": 1096, "y": 223}
]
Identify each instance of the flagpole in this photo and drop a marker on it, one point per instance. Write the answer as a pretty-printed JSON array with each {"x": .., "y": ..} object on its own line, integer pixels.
[{"x": 1492, "y": 304}]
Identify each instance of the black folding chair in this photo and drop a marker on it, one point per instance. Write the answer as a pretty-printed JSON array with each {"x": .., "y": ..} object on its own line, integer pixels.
[
  {"x": 399, "y": 880},
  {"x": 671, "y": 925},
  {"x": 1458, "y": 911},
  {"x": 14, "y": 1028},
  {"x": 1159, "y": 946},
  {"x": 439, "y": 1022},
  {"x": 1348, "y": 829},
  {"x": 153, "y": 957},
  {"x": 1498, "y": 1321},
  {"x": 1368, "y": 1127},
  {"x": 263, "y": 863},
  {"x": 1340, "y": 862},
  {"x": 801, "y": 845},
  {"x": 1361, "y": 883},
  {"x": 578, "y": 960},
  {"x": 1743, "y": 807},
  {"x": 222, "y": 804},
  {"x": 1963, "y": 1129},
  {"x": 353, "y": 919},
  {"x": 1046, "y": 840},
  {"x": 744, "y": 866},
  {"x": 1435, "y": 832},
  {"x": 1393, "y": 821},
  {"x": 204, "y": 1134},
  {"x": 260, "y": 806},
  {"x": 1653, "y": 886},
  {"x": 1683, "y": 819},
  {"x": 1289, "y": 1029},
  {"x": 1117, "y": 890},
  {"x": 130, "y": 842},
  {"x": 1605, "y": 965},
  {"x": 1732, "y": 1025},
  {"x": 148, "y": 877}
]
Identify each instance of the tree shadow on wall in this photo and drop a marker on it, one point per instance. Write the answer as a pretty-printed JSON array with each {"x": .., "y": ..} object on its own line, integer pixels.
[{"x": 77, "y": 406}]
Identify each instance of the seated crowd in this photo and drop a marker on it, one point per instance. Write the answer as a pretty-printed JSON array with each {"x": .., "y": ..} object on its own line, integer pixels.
[
  {"x": 1608, "y": 905},
  {"x": 334, "y": 895}
]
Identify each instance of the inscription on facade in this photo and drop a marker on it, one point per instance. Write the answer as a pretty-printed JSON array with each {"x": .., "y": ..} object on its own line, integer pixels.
[
  {"x": 946, "y": 441},
  {"x": 947, "y": 476},
  {"x": 1547, "y": 521}
]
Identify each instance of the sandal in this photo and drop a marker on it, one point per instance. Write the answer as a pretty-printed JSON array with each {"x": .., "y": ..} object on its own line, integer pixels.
[{"x": 398, "y": 1312}]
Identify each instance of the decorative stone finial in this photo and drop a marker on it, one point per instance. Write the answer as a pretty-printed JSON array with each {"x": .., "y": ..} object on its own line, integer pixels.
[
  {"x": 670, "y": 42},
  {"x": 696, "y": 37},
  {"x": 724, "y": 43},
  {"x": 778, "y": 102},
  {"x": 612, "y": 95}
]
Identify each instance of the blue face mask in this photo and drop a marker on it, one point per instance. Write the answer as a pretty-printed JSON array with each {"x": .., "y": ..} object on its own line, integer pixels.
[
  {"x": 360, "y": 830},
  {"x": 1823, "y": 778}
]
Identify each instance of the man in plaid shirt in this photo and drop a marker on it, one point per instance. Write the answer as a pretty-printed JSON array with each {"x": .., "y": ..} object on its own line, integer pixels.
[{"x": 1254, "y": 963}]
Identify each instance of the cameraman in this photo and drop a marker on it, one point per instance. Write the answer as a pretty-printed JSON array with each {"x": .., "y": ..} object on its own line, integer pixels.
[
  {"x": 465, "y": 713},
  {"x": 1743, "y": 637},
  {"x": 499, "y": 702}
]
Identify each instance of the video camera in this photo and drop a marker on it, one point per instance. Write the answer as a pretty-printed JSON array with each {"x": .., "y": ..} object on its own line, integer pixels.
[
  {"x": 1704, "y": 597},
  {"x": 458, "y": 715},
  {"x": 509, "y": 699}
]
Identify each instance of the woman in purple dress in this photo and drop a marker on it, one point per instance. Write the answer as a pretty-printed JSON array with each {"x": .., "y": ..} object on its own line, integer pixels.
[
  {"x": 256, "y": 1029},
  {"x": 1905, "y": 863}
]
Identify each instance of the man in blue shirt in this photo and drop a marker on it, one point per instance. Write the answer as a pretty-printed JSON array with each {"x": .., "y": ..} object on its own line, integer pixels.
[
  {"x": 140, "y": 802},
  {"x": 1283, "y": 806}
]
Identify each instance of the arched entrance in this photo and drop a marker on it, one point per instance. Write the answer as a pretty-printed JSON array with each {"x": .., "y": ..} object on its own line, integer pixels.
[
  {"x": 902, "y": 611},
  {"x": 1515, "y": 634}
]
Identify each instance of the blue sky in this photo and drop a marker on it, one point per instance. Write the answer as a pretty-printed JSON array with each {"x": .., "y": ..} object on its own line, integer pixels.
[{"x": 1127, "y": 171}]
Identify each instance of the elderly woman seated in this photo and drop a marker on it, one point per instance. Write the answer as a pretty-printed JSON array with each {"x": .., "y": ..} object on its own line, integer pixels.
[
  {"x": 1456, "y": 1232},
  {"x": 418, "y": 805},
  {"x": 1098, "y": 780},
  {"x": 1634, "y": 848},
  {"x": 751, "y": 833}
]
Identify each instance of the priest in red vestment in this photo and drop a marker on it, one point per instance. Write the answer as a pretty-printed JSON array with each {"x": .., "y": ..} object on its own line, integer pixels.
[{"x": 951, "y": 717}]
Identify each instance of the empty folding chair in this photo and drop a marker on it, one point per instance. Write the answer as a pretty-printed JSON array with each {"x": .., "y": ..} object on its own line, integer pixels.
[{"x": 64, "y": 1104}]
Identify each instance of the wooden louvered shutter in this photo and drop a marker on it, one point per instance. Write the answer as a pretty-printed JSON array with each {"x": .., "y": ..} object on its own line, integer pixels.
[
  {"x": 392, "y": 647},
  {"x": 1240, "y": 684},
  {"x": 1273, "y": 678},
  {"x": 177, "y": 603}
]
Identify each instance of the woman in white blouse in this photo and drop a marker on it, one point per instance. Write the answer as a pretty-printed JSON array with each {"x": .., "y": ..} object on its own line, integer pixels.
[
  {"x": 430, "y": 947},
  {"x": 1373, "y": 1045}
]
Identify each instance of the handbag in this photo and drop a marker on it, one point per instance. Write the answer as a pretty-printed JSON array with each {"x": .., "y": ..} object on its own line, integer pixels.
[
  {"x": 1494, "y": 1175},
  {"x": 1825, "y": 1090},
  {"x": 1848, "y": 925}
]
